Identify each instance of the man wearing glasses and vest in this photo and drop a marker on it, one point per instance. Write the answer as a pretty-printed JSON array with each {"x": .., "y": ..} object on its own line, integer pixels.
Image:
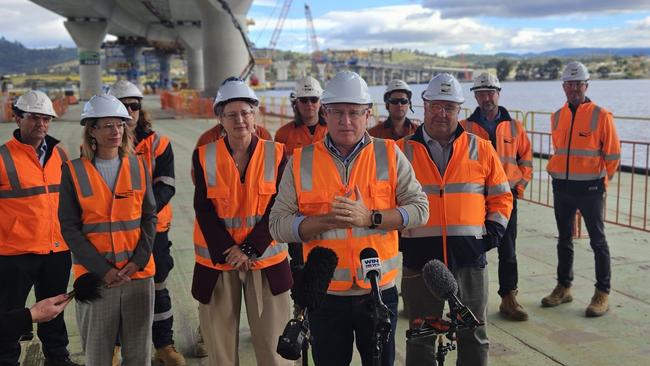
[
  {"x": 586, "y": 156},
  {"x": 348, "y": 192},
  {"x": 398, "y": 102}
]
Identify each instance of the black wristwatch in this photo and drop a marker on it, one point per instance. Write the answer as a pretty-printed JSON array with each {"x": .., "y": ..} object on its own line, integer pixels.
[{"x": 375, "y": 219}]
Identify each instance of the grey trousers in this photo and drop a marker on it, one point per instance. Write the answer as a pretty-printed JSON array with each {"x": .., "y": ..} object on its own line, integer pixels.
[
  {"x": 126, "y": 311},
  {"x": 473, "y": 345}
]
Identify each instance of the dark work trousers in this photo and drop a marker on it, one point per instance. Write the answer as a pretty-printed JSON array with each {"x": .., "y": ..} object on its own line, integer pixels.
[
  {"x": 508, "y": 275},
  {"x": 591, "y": 208},
  {"x": 342, "y": 320},
  {"x": 163, "y": 318},
  {"x": 49, "y": 274}
]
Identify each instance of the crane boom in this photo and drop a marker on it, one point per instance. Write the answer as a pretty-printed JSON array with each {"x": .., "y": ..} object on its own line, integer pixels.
[
  {"x": 312, "y": 31},
  {"x": 278, "y": 27}
]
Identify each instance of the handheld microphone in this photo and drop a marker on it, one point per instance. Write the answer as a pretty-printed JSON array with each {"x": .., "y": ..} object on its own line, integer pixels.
[
  {"x": 442, "y": 284},
  {"x": 371, "y": 269},
  {"x": 308, "y": 291}
]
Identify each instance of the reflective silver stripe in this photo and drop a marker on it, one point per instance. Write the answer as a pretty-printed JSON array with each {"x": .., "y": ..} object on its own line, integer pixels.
[
  {"x": 62, "y": 154},
  {"x": 361, "y": 232},
  {"x": 27, "y": 192},
  {"x": 134, "y": 164},
  {"x": 498, "y": 218},
  {"x": 154, "y": 147},
  {"x": 333, "y": 234},
  {"x": 498, "y": 189},
  {"x": 464, "y": 188},
  {"x": 236, "y": 222},
  {"x": 381, "y": 159},
  {"x": 473, "y": 149},
  {"x": 160, "y": 286},
  {"x": 269, "y": 161},
  {"x": 452, "y": 230},
  {"x": 108, "y": 227},
  {"x": 342, "y": 274},
  {"x": 578, "y": 176},
  {"x": 527, "y": 163},
  {"x": 272, "y": 250},
  {"x": 408, "y": 148},
  {"x": 556, "y": 118},
  {"x": 82, "y": 178},
  {"x": 612, "y": 157},
  {"x": 166, "y": 180},
  {"x": 594, "y": 118},
  {"x": 163, "y": 316},
  {"x": 306, "y": 166},
  {"x": 122, "y": 256},
  {"x": 211, "y": 164},
  {"x": 386, "y": 266},
  {"x": 522, "y": 182},
  {"x": 202, "y": 252},
  {"x": 508, "y": 160},
  {"x": 10, "y": 167},
  {"x": 431, "y": 189},
  {"x": 577, "y": 152},
  {"x": 513, "y": 128}
]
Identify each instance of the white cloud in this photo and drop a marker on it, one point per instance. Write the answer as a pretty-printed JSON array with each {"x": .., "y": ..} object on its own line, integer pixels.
[
  {"x": 32, "y": 25},
  {"x": 265, "y": 3}
]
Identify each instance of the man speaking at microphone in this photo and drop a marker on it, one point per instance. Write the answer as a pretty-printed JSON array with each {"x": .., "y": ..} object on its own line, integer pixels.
[{"x": 348, "y": 192}]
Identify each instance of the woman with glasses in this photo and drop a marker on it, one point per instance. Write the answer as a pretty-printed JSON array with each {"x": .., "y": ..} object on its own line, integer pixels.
[
  {"x": 108, "y": 218},
  {"x": 235, "y": 186},
  {"x": 398, "y": 102}
]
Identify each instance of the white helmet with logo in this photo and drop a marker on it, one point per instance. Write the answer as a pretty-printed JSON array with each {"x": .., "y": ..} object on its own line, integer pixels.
[
  {"x": 103, "y": 105},
  {"x": 486, "y": 81},
  {"x": 235, "y": 89},
  {"x": 575, "y": 71},
  {"x": 35, "y": 101},
  {"x": 395, "y": 85},
  {"x": 346, "y": 87},
  {"x": 125, "y": 89},
  {"x": 443, "y": 87},
  {"x": 308, "y": 87}
]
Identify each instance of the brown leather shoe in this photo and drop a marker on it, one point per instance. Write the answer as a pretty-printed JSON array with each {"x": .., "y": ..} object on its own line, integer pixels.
[
  {"x": 599, "y": 304},
  {"x": 169, "y": 356},
  {"x": 511, "y": 309},
  {"x": 117, "y": 352},
  {"x": 560, "y": 295}
]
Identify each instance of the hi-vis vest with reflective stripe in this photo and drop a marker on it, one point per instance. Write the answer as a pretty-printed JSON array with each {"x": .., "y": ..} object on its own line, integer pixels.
[
  {"x": 111, "y": 221},
  {"x": 317, "y": 181},
  {"x": 511, "y": 141},
  {"x": 473, "y": 189},
  {"x": 29, "y": 200},
  {"x": 240, "y": 206},
  {"x": 150, "y": 148},
  {"x": 585, "y": 149}
]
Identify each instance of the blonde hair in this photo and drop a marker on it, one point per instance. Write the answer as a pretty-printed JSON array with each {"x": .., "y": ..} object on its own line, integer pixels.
[{"x": 125, "y": 149}]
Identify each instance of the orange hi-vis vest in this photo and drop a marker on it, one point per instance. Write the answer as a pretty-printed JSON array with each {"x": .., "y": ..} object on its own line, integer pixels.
[
  {"x": 586, "y": 145},
  {"x": 474, "y": 189},
  {"x": 29, "y": 200},
  {"x": 151, "y": 148},
  {"x": 295, "y": 136},
  {"x": 240, "y": 206},
  {"x": 513, "y": 148},
  {"x": 111, "y": 221},
  {"x": 317, "y": 182}
]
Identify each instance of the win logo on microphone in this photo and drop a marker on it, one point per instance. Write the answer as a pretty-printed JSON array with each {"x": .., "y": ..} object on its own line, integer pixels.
[{"x": 371, "y": 264}]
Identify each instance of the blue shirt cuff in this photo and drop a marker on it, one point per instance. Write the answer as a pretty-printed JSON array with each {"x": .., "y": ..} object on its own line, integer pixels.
[
  {"x": 296, "y": 226},
  {"x": 405, "y": 216}
]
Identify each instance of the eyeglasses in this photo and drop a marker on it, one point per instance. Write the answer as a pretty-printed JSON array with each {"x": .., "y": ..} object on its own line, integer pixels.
[
  {"x": 110, "y": 126},
  {"x": 575, "y": 83},
  {"x": 135, "y": 106},
  {"x": 305, "y": 100},
  {"x": 395, "y": 101},
  {"x": 245, "y": 115},
  {"x": 37, "y": 117},
  {"x": 353, "y": 115},
  {"x": 438, "y": 108}
]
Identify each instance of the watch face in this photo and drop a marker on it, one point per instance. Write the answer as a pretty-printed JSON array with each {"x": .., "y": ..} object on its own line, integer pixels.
[{"x": 376, "y": 218}]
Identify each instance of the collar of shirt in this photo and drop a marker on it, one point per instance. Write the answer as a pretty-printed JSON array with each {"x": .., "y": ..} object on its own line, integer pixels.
[
  {"x": 483, "y": 119},
  {"x": 330, "y": 145},
  {"x": 431, "y": 142}
]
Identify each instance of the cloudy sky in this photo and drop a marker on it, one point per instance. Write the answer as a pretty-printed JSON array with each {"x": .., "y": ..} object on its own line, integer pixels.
[{"x": 438, "y": 26}]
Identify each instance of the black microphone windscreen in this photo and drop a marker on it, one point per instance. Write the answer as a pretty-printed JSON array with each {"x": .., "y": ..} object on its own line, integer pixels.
[
  {"x": 87, "y": 287},
  {"x": 368, "y": 253},
  {"x": 439, "y": 280},
  {"x": 311, "y": 287}
]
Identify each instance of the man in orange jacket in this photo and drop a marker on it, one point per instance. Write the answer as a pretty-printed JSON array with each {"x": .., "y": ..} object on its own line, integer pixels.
[
  {"x": 398, "y": 102},
  {"x": 586, "y": 155},
  {"x": 492, "y": 122},
  {"x": 32, "y": 250}
]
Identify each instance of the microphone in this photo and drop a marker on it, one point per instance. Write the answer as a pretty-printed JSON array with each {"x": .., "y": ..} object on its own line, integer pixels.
[
  {"x": 308, "y": 291},
  {"x": 441, "y": 282},
  {"x": 371, "y": 269}
]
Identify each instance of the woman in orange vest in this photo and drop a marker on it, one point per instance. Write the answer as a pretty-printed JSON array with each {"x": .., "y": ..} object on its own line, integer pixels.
[
  {"x": 108, "y": 218},
  {"x": 235, "y": 185}
]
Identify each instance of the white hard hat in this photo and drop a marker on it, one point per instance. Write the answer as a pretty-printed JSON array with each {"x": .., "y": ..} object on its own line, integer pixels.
[
  {"x": 397, "y": 84},
  {"x": 35, "y": 101},
  {"x": 125, "y": 89},
  {"x": 308, "y": 87},
  {"x": 103, "y": 105},
  {"x": 443, "y": 87},
  {"x": 346, "y": 87},
  {"x": 486, "y": 81},
  {"x": 575, "y": 71},
  {"x": 234, "y": 88}
]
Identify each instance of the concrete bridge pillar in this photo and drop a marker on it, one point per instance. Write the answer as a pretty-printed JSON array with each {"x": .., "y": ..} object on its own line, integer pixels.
[
  {"x": 192, "y": 39},
  {"x": 260, "y": 73},
  {"x": 164, "y": 57},
  {"x": 302, "y": 69},
  {"x": 282, "y": 70},
  {"x": 382, "y": 76},
  {"x": 224, "y": 50},
  {"x": 88, "y": 36},
  {"x": 133, "y": 55},
  {"x": 321, "y": 71}
]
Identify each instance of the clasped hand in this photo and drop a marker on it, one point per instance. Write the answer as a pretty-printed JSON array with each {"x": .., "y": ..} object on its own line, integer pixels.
[{"x": 347, "y": 212}]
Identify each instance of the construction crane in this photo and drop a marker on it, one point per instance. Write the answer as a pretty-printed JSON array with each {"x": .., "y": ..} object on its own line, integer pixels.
[
  {"x": 278, "y": 27},
  {"x": 311, "y": 32}
]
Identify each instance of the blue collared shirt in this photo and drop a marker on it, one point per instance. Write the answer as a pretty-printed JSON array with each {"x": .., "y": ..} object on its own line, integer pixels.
[{"x": 41, "y": 152}]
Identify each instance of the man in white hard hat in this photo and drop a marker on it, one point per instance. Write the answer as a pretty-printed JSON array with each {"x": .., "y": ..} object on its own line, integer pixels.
[
  {"x": 586, "y": 156},
  {"x": 32, "y": 250},
  {"x": 398, "y": 102},
  {"x": 470, "y": 203},
  {"x": 349, "y": 192},
  {"x": 507, "y": 135}
]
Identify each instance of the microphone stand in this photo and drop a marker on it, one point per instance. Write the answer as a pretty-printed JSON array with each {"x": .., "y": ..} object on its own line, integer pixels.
[
  {"x": 305, "y": 343},
  {"x": 381, "y": 327}
]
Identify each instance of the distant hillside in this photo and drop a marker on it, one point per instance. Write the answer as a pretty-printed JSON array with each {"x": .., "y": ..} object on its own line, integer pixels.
[
  {"x": 581, "y": 52},
  {"x": 16, "y": 58}
]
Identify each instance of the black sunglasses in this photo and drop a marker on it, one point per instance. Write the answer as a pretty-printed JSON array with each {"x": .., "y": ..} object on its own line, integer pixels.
[
  {"x": 135, "y": 106},
  {"x": 312, "y": 100},
  {"x": 402, "y": 101}
]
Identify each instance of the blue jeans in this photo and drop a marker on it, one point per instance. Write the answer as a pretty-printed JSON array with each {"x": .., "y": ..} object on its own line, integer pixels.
[{"x": 340, "y": 320}]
